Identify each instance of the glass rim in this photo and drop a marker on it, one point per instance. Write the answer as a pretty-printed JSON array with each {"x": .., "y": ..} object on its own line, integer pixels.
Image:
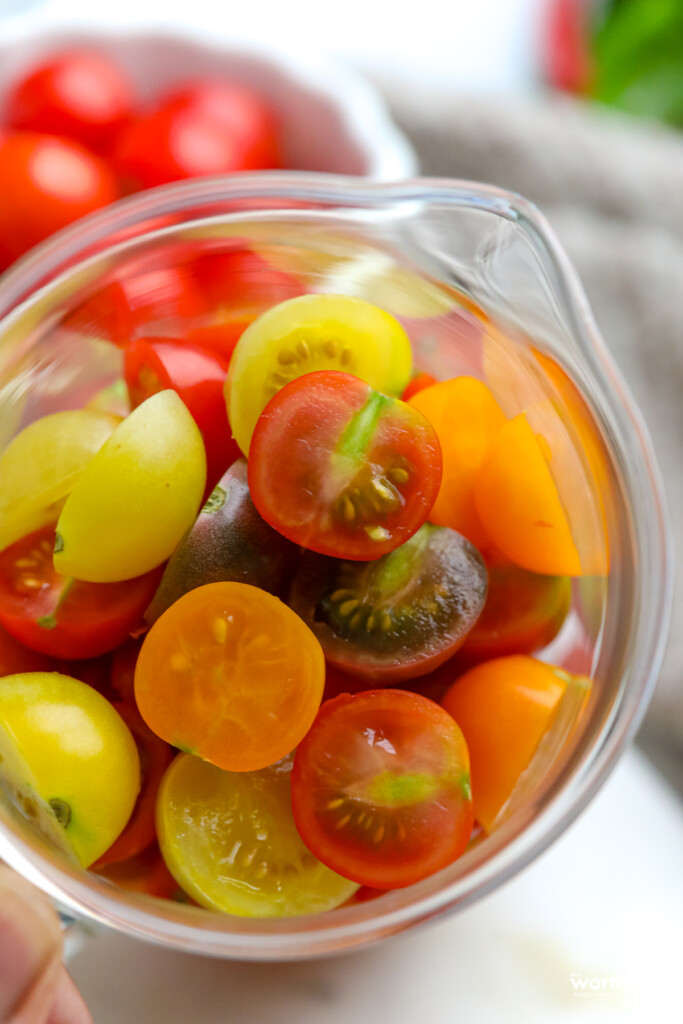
[{"x": 521, "y": 838}]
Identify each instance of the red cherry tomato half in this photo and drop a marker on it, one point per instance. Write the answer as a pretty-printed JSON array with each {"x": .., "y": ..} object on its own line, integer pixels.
[
  {"x": 237, "y": 287},
  {"x": 15, "y": 658},
  {"x": 185, "y": 137},
  {"x": 156, "y": 364},
  {"x": 63, "y": 617},
  {"x": 143, "y": 298},
  {"x": 380, "y": 788},
  {"x": 46, "y": 183},
  {"x": 155, "y": 757},
  {"x": 418, "y": 383},
  {"x": 78, "y": 93},
  {"x": 357, "y": 471}
]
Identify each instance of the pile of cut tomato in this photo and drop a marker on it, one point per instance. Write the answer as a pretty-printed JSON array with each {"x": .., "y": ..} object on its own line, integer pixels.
[
  {"x": 269, "y": 604},
  {"x": 76, "y": 136}
]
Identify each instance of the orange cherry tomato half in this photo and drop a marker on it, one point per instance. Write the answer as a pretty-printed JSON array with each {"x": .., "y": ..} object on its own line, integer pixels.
[
  {"x": 466, "y": 418},
  {"x": 47, "y": 182},
  {"x": 524, "y": 611},
  {"x": 357, "y": 472},
  {"x": 63, "y": 617},
  {"x": 155, "y": 364},
  {"x": 80, "y": 94},
  {"x": 231, "y": 674},
  {"x": 380, "y": 788},
  {"x": 519, "y": 505},
  {"x": 155, "y": 757},
  {"x": 504, "y": 707}
]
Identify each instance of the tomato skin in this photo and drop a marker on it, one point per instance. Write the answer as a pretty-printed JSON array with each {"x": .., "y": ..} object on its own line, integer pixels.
[
  {"x": 393, "y": 759},
  {"x": 79, "y": 94},
  {"x": 185, "y": 138},
  {"x": 145, "y": 873},
  {"x": 418, "y": 383},
  {"x": 155, "y": 364},
  {"x": 155, "y": 757},
  {"x": 15, "y": 658},
  {"x": 47, "y": 182},
  {"x": 357, "y": 472},
  {"x": 503, "y": 707},
  {"x": 83, "y": 619},
  {"x": 229, "y": 541}
]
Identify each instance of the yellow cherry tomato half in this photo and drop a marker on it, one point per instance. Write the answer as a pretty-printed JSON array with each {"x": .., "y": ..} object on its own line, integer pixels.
[
  {"x": 504, "y": 708},
  {"x": 307, "y": 333},
  {"x": 137, "y": 496},
  {"x": 519, "y": 505},
  {"x": 231, "y": 674},
  {"x": 42, "y": 464},
  {"x": 466, "y": 418},
  {"x": 230, "y": 841},
  {"x": 65, "y": 750}
]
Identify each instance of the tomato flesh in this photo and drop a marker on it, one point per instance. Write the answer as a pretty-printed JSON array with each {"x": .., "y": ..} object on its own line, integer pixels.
[
  {"x": 231, "y": 674},
  {"x": 61, "y": 616},
  {"x": 357, "y": 471},
  {"x": 380, "y": 788}
]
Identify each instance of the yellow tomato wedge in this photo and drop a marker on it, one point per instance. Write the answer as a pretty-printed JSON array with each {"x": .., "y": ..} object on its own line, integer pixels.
[
  {"x": 137, "y": 496},
  {"x": 230, "y": 841}
]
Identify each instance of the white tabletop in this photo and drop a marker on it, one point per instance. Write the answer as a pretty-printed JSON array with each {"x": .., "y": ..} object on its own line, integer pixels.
[{"x": 603, "y": 906}]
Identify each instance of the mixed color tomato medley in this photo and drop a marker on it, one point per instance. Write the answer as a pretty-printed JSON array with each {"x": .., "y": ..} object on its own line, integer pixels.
[
  {"x": 74, "y": 137},
  {"x": 269, "y": 607}
]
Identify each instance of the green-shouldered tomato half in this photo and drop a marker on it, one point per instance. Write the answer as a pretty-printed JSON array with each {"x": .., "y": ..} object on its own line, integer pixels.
[
  {"x": 308, "y": 333},
  {"x": 400, "y": 616},
  {"x": 230, "y": 841},
  {"x": 381, "y": 790},
  {"x": 357, "y": 472},
  {"x": 229, "y": 541}
]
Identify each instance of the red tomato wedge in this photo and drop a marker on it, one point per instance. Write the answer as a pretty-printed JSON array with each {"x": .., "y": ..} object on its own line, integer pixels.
[
  {"x": 63, "y": 617},
  {"x": 380, "y": 788},
  {"x": 357, "y": 472},
  {"x": 155, "y": 364},
  {"x": 155, "y": 757}
]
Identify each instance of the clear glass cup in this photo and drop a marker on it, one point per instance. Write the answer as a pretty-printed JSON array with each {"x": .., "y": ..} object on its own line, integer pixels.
[{"x": 483, "y": 287}]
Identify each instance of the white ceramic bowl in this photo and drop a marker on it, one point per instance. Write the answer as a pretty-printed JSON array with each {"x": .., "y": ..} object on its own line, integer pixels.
[{"x": 332, "y": 119}]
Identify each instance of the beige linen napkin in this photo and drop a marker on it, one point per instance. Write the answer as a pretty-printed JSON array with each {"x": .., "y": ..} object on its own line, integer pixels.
[{"x": 612, "y": 188}]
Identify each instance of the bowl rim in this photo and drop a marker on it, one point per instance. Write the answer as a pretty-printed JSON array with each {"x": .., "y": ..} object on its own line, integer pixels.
[
  {"x": 364, "y": 113},
  {"x": 515, "y": 843}
]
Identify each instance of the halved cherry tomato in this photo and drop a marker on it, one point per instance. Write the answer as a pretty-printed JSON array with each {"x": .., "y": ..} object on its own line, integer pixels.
[
  {"x": 519, "y": 506},
  {"x": 357, "y": 472},
  {"x": 380, "y": 788},
  {"x": 142, "y": 297},
  {"x": 230, "y": 673},
  {"x": 154, "y": 364},
  {"x": 47, "y": 182},
  {"x": 64, "y": 617},
  {"x": 14, "y": 657},
  {"x": 80, "y": 94},
  {"x": 229, "y": 541},
  {"x": 523, "y": 612},
  {"x": 206, "y": 129},
  {"x": 237, "y": 286},
  {"x": 504, "y": 707},
  {"x": 418, "y": 383},
  {"x": 466, "y": 418},
  {"x": 398, "y": 616},
  {"x": 308, "y": 333},
  {"x": 155, "y": 757}
]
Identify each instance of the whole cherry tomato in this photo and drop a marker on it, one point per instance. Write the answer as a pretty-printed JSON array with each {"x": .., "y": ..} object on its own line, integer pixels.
[
  {"x": 194, "y": 134},
  {"x": 46, "y": 183},
  {"x": 357, "y": 472},
  {"x": 418, "y": 383},
  {"x": 80, "y": 94},
  {"x": 155, "y": 364},
  {"x": 14, "y": 657},
  {"x": 63, "y": 617}
]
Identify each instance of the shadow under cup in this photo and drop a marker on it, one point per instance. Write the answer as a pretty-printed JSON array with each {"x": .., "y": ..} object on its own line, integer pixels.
[{"x": 482, "y": 288}]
